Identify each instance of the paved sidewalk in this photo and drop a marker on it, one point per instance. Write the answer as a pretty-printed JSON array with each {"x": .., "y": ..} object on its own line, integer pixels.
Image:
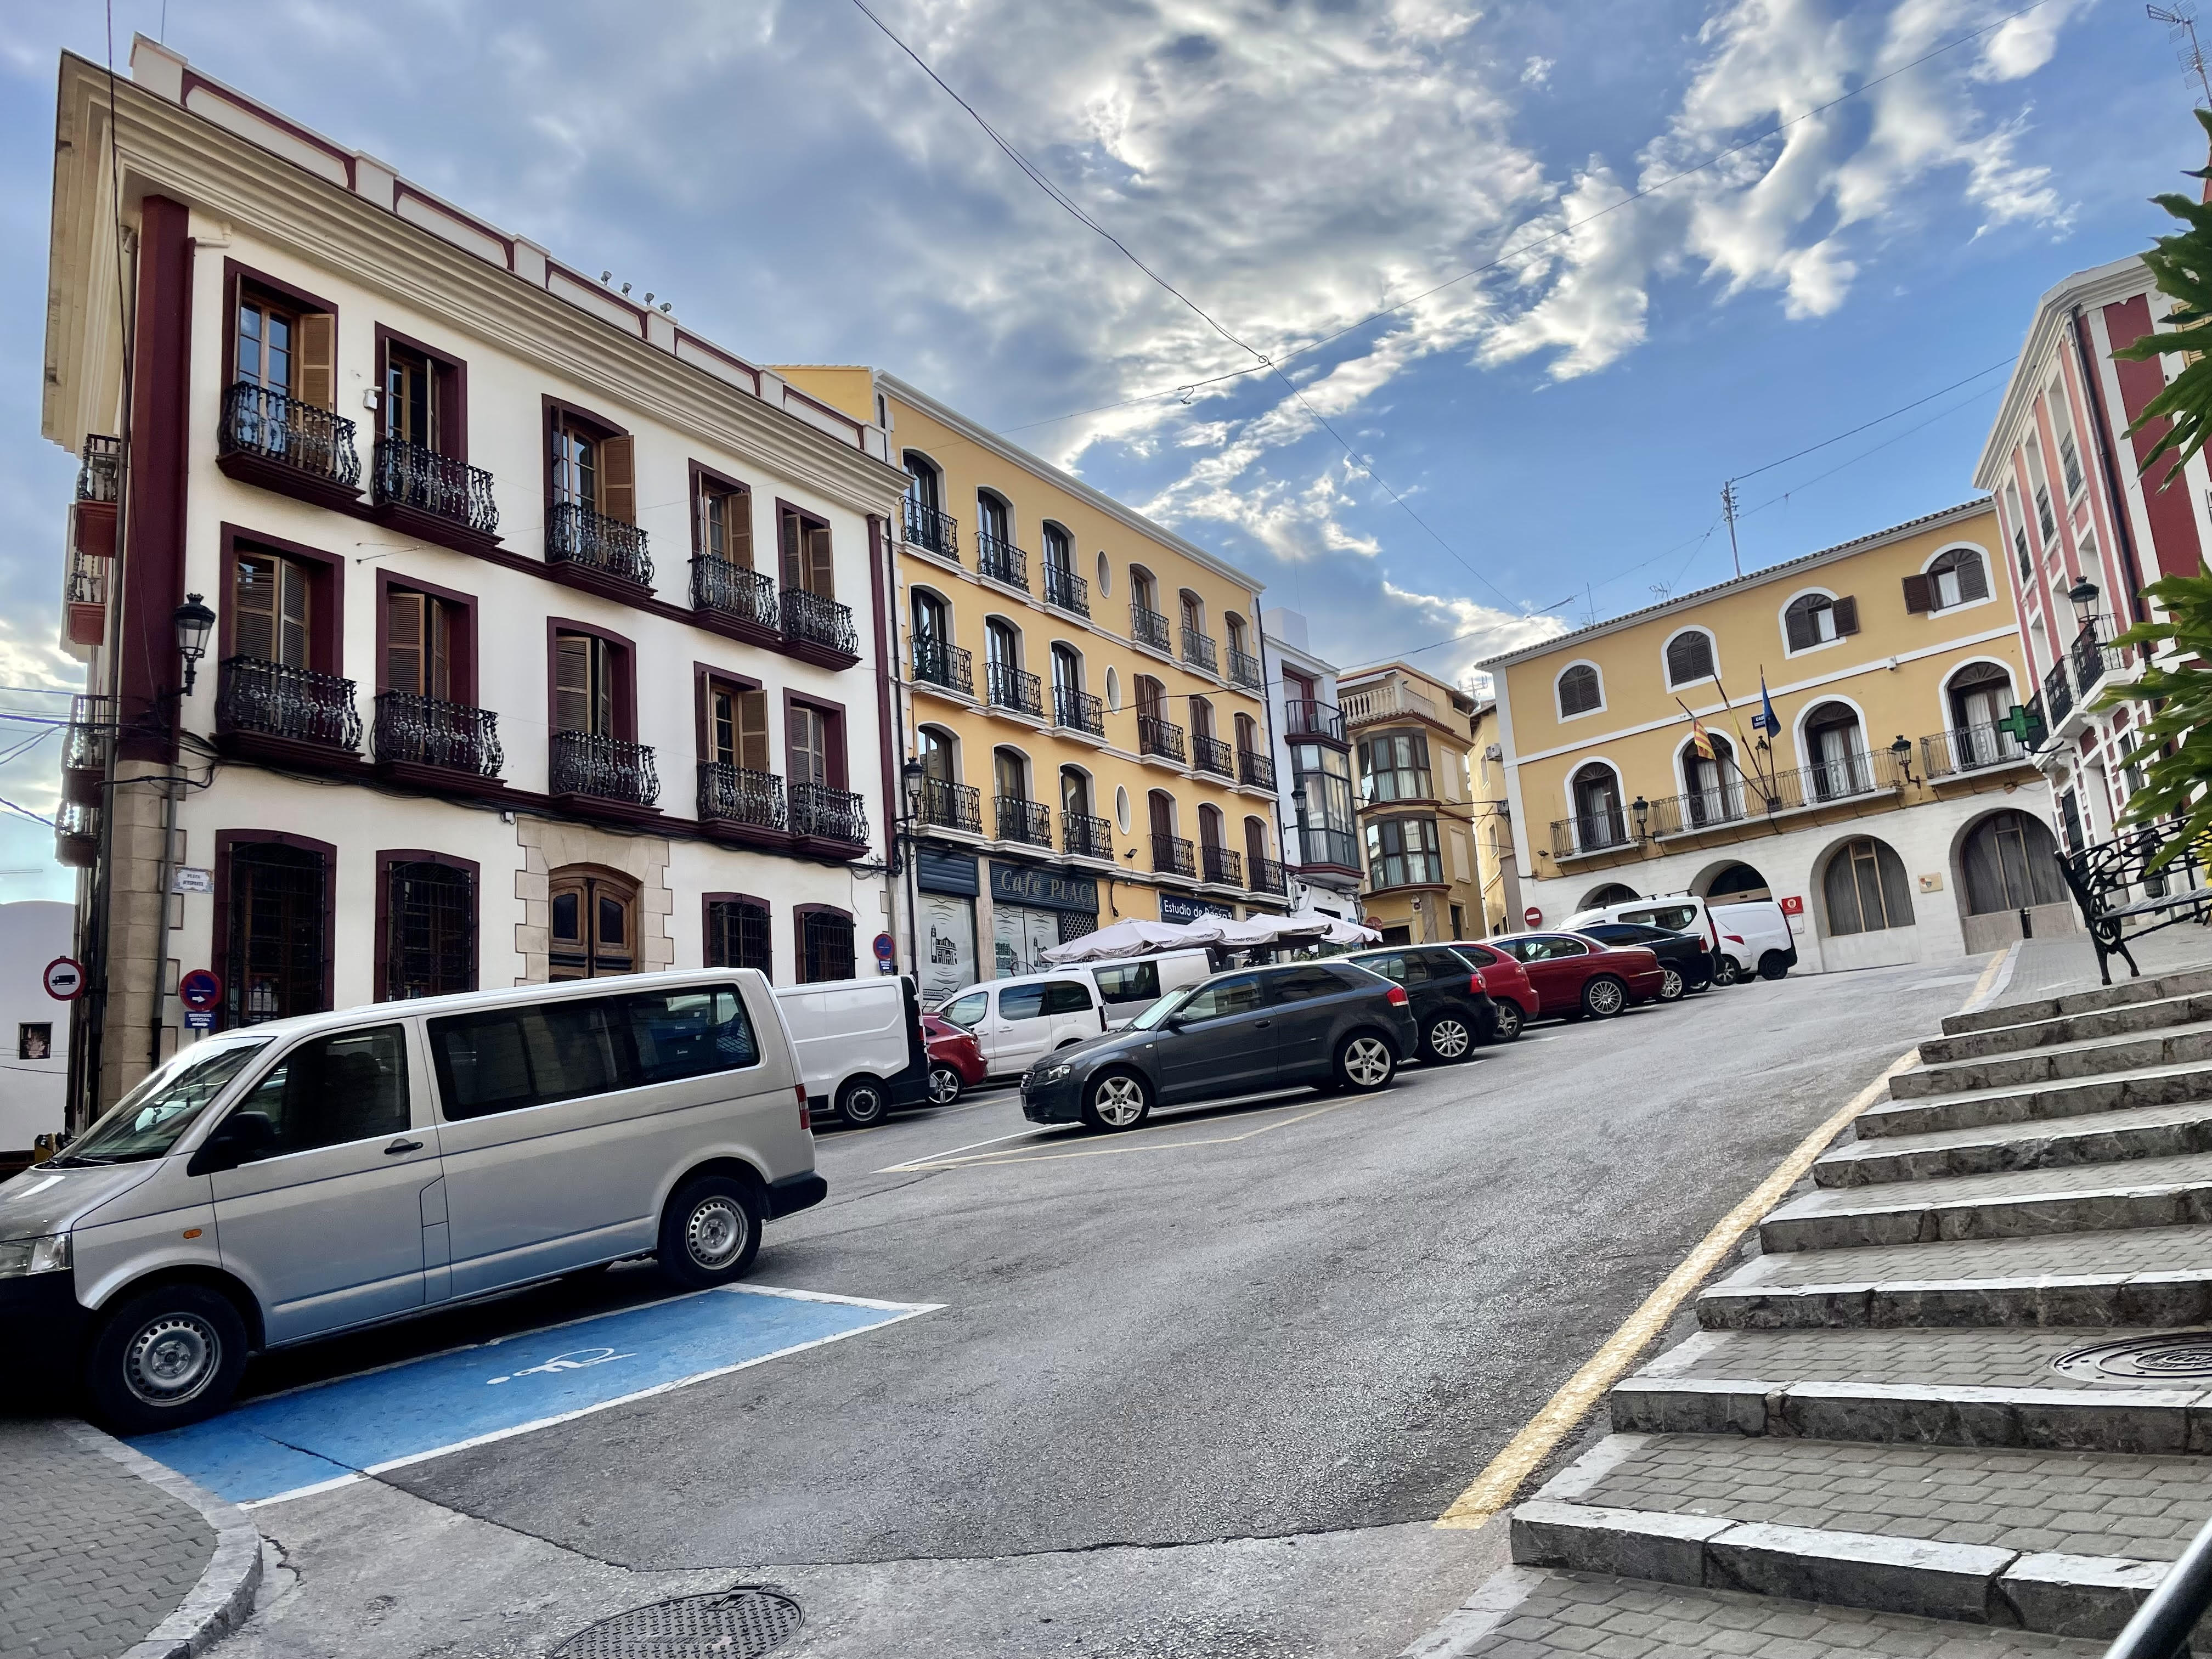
[
  {"x": 2053, "y": 967},
  {"x": 107, "y": 1554}
]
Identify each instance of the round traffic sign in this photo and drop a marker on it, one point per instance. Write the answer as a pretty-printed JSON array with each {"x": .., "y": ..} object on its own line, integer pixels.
[
  {"x": 64, "y": 978},
  {"x": 200, "y": 989},
  {"x": 886, "y": 948},
  {"x": 1531, "y": 917}
]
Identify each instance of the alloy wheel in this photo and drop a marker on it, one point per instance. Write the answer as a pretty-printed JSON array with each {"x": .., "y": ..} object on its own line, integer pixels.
[
  {"x": 1508, "y": 1021},
  {"x": 172, "y": 1358},
  {"x": 943, "y": 1085},
  {"x": 1670, "y": 984},
  {"x": 1603, "y": 997},
  {"x": 1449, "y": 1039},
  {"x": 1367, "y": 1061},
  {"x": 715, "y": 1232},
  {"x": 1119, "y": 1101}
]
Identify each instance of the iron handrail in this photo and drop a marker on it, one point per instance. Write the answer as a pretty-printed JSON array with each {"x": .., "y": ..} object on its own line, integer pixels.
[{"x": 2162, "y": 1623}]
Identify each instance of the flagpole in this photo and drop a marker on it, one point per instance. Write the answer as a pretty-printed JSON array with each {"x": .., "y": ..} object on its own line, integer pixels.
[{"x": 1728, "y": 703}]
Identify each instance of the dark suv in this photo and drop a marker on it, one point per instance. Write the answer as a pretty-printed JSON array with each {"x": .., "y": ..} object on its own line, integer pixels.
[
  {"x": 1682, "y": 957},
  {"x": 1452, "y": 1010},
  {"x": 1323, "y": 1023}
]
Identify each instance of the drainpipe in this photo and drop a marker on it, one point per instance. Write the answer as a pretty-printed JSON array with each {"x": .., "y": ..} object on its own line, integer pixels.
[{"x": 2110, "y": 467}]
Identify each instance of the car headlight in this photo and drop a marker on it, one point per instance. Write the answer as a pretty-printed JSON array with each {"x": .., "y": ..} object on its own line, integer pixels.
[
  {"x": 1053, "y": 1074},
  {"x": 20, "y": 1257}
]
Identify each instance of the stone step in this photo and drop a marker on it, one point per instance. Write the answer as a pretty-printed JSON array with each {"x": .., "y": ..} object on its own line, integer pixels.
[
  {"x": 1998, "y": 1357},
  {"x": 2126, "y": 1020},
  {"x": 1535, "y": 1614},
  {"x": 2091, "y": 1057},
  {"x": 2159, "y": 989},
  {"x": 2148, "y": 1085},
  {"x": 2109, "y": 1137},
  {"x": 2149, "y": 1276},
  {"x": 2149, "y": 1192},
  {"x": 2065, "y": 1543}
]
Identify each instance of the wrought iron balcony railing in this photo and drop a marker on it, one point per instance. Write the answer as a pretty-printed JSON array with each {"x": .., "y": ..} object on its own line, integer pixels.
[
  {"x": 1339, "y": 847},
  {"x": 2094, "y": 654},
  {"x": 1147, "y": 627},
  {"x": 1078, "y": 711},
  {"x": 1257, "y": 770},
  {"x": 278, "y": 702},
  {"x": 1001, "y": 561},
  {"x": 1199, "y": 651},
  {"x": 1590, "y": 832},
  {"x": 91, "y": 734},
  {"x": 1011, "y": 688},
  {"x": 732, "y": 794},
  {"x": 818, "y": 621},
  {"x": 1304, "y": 717},
  {"x": 76, "y": 835},
  {"x": 1083, "y": 837},
  {"x": 827, "y": 814},
  {"x": 277, "y": 426},
  {"x": 607, "y": 769},
  {"x": 402, "y": 474},
  {"x": 1156, "y": 736},
  {"x": 576, "y": 535},
  {"x": 420, "y": 731},
  {"x": 1855, "y": 776},
  {"x": 1212, "y": 754},
  {"x": 951, "y": 805},
  {"x": 100, "y": 475},
  {"x": 1244, "y": 670},
  {"x": 1969, "y": 749},
  {"x": 1174, "y": 856},
  {"x": 732, "y": 591},
  {"x": 1222, "y": 864},
  {"x": 1022, "y": 820},
  {"x": 2058, "y": 694},
  {"x": 1268, "y": 877},
  {"x": 88, "y": 578},
  {"x": 933, "y": 532},
  {"x": 938, "y": 662},
  {"x": 1065, "y": 591}
]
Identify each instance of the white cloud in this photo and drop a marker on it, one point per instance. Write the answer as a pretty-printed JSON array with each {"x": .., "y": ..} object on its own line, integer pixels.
[{"x": 1537, "y": 73}]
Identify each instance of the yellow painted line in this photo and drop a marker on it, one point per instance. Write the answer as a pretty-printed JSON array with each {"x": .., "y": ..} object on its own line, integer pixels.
[{"x": 995, "y": 1160}]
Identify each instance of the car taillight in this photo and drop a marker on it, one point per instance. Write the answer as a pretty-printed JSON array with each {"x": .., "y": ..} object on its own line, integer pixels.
[
  {"x": 1396, "y": 997},
  {"x": 1731, "y": 939},
  {"x": 806, "y": 1120},
  {"x": 1474, "y": 983}
]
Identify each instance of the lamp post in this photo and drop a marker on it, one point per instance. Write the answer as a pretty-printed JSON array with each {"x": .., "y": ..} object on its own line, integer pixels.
[
  {"x": 2083, "y": 597},
  {"x": 194, "y": 621},
  {"x": 1901, "y": 752},
  {"x": 911, "y": 773},
  {"x": 1642, "y": 808}
]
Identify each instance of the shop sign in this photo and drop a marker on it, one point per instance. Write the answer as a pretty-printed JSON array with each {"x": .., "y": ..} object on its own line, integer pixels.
[
  {"x": 1175, "y": 907},
  {"x": 1026, "y": 885}
]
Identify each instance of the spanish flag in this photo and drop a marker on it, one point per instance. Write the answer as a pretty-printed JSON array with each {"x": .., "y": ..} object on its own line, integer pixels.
[{"x": 1700, "y": 739}]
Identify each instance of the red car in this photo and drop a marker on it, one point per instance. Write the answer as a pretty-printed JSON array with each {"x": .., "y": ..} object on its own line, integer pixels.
[
  {"x": 956, "y": 1059},
  {"x": 1575, "y": 975},
  {"x": 1505, "y": 980}
]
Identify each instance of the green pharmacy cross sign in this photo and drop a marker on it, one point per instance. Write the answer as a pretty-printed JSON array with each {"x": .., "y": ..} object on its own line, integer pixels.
[{"x": 2025, "y": 726}]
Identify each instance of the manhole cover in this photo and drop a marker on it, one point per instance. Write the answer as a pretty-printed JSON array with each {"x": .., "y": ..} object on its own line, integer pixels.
[
  {"x": 735, "y": 1623},
  {"x": 2181, "y": 1354}
]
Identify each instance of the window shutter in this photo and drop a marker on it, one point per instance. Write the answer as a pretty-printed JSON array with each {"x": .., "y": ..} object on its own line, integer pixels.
[
  {"x": 318, "y": 367},
  {"x": 403, "y": 642},
  {"x": 722, "y": 727},
  {"x": 1847, "y": 615},
  {"x": 752, "y": 731},
  {"x": 1919, "y": 597},
  {"x": 808, "y": 763},
  {"x": 821, "y": 575},
  {"x": 1797, "y": 627},
  {"x": 292, "y": 618},
  {"x": 441, "y": 619},
  {"x": 571, "y": 682},
  {"x": 253, "y": 606},
  {"x": 788, "y": 531},
  {"x": 1973, "y": 577},
  {"x": 618, "y": 479},
  {"x": 737, "y": 528},
  {"x": 603, "y": 687}
]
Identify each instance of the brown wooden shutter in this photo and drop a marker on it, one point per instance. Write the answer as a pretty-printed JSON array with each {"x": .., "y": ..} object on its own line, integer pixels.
[
  {"x": 253, "y": 609},
  {"x": 440, "y": 618},
  {"x": 1973, "y": 577},
  {"x": 752, "y": 731},
  {"x": 1162, "y": 814},
  {"x": 292, "y": 635},
  {"x": 1847, "y": 615},
  {"x": 787, "y": 533},
  {"x": 318, "y": 364},
  {"x": 618, "y": 479},
  {"x": 1919, "y": 598},
  {"x": 572, "y": 682},
  {"x": 403, "y": 642},
  {"x": 809, "y": 764},
  {"x": 603, "y": 687},
  {"x": 737, "y": 528},
  {"x": 1797, "y": 628},
  {"x": 821, "y": 574}
]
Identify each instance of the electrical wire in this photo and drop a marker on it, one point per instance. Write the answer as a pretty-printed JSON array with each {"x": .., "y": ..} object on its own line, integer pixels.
[{"x": 26, "y": 811}]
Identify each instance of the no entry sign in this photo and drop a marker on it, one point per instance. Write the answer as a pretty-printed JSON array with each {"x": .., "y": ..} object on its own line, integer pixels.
[
  {"x": 1531, "y": 917},
  {"x": 200, "y": 989},
  {"x": 64, "y": 978}
]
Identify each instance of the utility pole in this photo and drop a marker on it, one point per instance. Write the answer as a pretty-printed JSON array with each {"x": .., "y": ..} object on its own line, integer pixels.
[
  {"x": 2181, "y": 28},
  {"x": 1728, "y": 512}
]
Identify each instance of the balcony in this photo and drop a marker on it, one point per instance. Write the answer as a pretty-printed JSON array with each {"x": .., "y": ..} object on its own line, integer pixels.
[
  {"x": 1083, "y": 836},
  {"x": 1147, "y": 627},
  {"x": 951, "y": 805},
  {"x": 607, "y": 554},
  {"x": 945, "y": 666},
  {"x": 1078, "y": 711},
  {"x": 1268, "y": 877},
  {"x": 99, "y": 471},
  {"x": 283, "y": 708},
  {"x": 1174, "y": 856},
  {"x": 2058, "y": 695},
  {"x": 750, "y": 805},
  {"x": 1391, "y": 699},
  {"x": 274, "y": 440},
  {"x": 1065, "y": 591},
  {"x": 431, "y": 496},
  {"x": 85, "y": 609},
  {"x": 1009, "y": 688},
  {"x": 1001, "y": 561},
  {"x": 819, "y": 630},
  {"x": 1255, "y": 771},
  {"x": 1022, "y": 820},
  {"x": 1222, "y": 866},
  {"x": 2094, "y": 655},
  {"x": 833, "y": 818},
  {"x": 1212, "y": 754},
  {"x": 1970, "y": 749},
  {"x": 414, "y": 731},
  {"x": 928, "y": 530},
  {"x": 1304, "y": 717},
  {"x": 1199, "y": 651},
  {"x": 1244, "y": 671},
  {"x": 85, "y": 748},
  {"x": 741, "y": 600},
  {"x": 1339, "y": 849},
  {"x": 76, "y": 835},
  {"x": 1863, "y": 775},
  {"x": 591, "y": 767},
  {"x": 1589, "y": 833},
  {"x": 1156, "y": 736}
]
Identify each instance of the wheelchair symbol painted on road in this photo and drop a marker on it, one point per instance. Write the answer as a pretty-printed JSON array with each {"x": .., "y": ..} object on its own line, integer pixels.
[{"x": 576, "y": 1360}]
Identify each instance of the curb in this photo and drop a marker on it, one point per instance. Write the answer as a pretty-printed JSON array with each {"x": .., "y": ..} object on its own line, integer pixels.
[{"x": 223, "y": 1598}]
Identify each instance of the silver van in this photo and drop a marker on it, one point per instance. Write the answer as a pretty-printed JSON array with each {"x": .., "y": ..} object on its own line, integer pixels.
[{"x": 282, "y": 1182}]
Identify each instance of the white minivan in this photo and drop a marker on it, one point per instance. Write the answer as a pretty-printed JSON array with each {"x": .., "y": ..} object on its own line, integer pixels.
[
  {"x": 861, "y": 1051},
  {"x": 287, "y": 1181},
  {"x": 1757, "y": 937},
  {"x": 1014, "y": 1021}
]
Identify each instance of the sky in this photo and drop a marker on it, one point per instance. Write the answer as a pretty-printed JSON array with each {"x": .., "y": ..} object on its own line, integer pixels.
[{"x": 1606, "y": 283}]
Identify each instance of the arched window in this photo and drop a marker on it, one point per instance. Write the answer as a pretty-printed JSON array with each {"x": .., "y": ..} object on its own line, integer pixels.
[
  {"x": 1837, "y": 747},
  {"x": 993, "y": 518},
  {"x": 1172, "y": 855},
  {"x": 1598, "y": 821},
  {"x": 1010, "y": 772},
  {"x": 932, "y": 617},
  {"x": 1579, "y": 691},
  {"x": 2011, "y": 862},
  {"x": 1002, "y": 659},
  {"x": 945, "y": 799},
  {"x": 1019, "y": 818},
  {"x": 1814, "y": 619},
  {"x": 1613, "y": 892},
  {"x": 1248, "y": 736},
  {"x": 925, "y": 484},
  {"x": 1201, "y": 718},
  {"x": 1865, "y": 888},
  {"x": 1059, "y": 550},
  {"x": 1737, "y": 882},
  {"x": 593, "y": 917},
  {"x": 1978, "y": 697},
  {"x": 1199, "y": 649},
  {"x": 996, "y": 555},
  {"x": 1152, "y": 698},
  {"x": 939, "y": 755},
  {"x": 1062, "y": 586},
  {"x": 1689, "y": 657},
  {"x": 1954, "y": 577},
  {"x": 1074, "y": 792},
  {"x": 1148, "y": 625},
  {"x": 1713, "y": 785},
  {"x": 1209, "y": 825},
  {"x": 1257, "y": 846}
]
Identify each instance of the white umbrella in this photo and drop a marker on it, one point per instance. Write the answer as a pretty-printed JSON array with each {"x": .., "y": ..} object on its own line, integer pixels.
[{"x": 1132, "y": 936}]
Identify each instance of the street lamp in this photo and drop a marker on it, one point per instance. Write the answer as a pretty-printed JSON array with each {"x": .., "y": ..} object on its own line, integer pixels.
[
  {"x": 193, "y": 621},
  {"x": 1901, "y": 752},
  {"x": 1642, "y": 808},
  {"x": 2083, "y": 594}
]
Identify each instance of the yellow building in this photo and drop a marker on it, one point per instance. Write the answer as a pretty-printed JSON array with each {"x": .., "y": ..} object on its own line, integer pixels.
[
  {"x": 1081, "y": 696},
  {"x": 1411, "y": 735},
  {"x": 1889, "y": 811},
  {"x": 1497, "y": 870}
]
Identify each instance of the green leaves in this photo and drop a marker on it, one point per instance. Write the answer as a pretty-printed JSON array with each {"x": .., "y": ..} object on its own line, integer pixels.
[
  {"x": 2181, "y": 265},
  {"x": 2174, "y": 740}
]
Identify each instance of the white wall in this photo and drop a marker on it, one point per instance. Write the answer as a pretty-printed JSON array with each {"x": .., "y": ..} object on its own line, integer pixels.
[{"x": 32, "y": 1092}]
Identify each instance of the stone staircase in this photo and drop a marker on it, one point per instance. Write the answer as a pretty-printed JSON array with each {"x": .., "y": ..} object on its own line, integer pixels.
[{"x": 1962, "y": 1399}]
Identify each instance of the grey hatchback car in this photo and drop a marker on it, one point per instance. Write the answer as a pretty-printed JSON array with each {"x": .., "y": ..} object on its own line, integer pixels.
[{"x": 1328, "y": 1023}]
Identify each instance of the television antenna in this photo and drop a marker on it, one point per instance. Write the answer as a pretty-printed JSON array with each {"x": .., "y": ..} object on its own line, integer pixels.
[{"x": 2181, "y": 29}]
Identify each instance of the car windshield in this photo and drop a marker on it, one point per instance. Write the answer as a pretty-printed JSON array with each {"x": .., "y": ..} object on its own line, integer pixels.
[
  {"x": 146, "y": 1122},
  {"x": 1167, "y": 1005}
]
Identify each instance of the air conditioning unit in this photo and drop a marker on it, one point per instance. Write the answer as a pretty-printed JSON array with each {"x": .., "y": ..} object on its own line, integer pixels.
[{"x": 1496, "y": 751}]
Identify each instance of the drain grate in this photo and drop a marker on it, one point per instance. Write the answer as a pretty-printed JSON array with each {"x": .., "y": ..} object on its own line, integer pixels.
[
  {"x": 2179, "y": 1355},
  {"x": 737, "y": 1624}
]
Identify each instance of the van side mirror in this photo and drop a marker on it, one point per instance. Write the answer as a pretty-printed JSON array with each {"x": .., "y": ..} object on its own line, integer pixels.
[{"x": 239, "y": 1138}]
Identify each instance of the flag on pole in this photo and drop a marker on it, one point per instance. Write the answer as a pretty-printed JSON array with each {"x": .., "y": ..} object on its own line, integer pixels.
[
  {"x": 1765, "y": 720},
  {"x": 1700, "y": 739}
]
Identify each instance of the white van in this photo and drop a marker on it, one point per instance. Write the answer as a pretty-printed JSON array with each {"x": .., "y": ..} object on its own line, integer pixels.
[
  {"x": 861, "y": 1051},
  {"x": 1757, "y": 937},
  {"x": 285, "y": 1182},
  {"x": 1015, "y": 1020}
]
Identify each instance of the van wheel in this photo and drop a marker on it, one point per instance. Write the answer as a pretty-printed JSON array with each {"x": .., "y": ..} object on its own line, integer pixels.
[
  {"x": 1117, "y": 1101},
  {"x": 862, "y": 1101},
  {"x": 943, "y": 1085},
  {"x": 1773, "y": 965},
  {"x": 1671, "y": 984},
  {"x": 165, "y": 1357},
  {"x": 1366, "y": 1062},
  {"x": 710, "y": 1232},
  {"x": 1448, "y": 1038},
  {"x": 1604, "y": 996},
  {"x": 1724, "y": 969},
  {"x": 1505, "y": 1022}
]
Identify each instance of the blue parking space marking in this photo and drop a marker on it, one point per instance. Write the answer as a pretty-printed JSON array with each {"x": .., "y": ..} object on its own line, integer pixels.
[{"x": 288, "y": 1444}]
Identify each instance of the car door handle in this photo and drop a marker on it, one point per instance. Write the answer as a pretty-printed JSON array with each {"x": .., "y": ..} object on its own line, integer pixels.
[
  {"x": 399, "y": 1146},
  {"x": 1261, "y": 1024}
]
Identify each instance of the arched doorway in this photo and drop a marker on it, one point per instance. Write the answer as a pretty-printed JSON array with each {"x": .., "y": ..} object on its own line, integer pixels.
[
  {"x": 1598, "y": 822},
  {"x": 593, "y": 923},
  {"x": 1975, "y": 699},
  {"x": 1835, "y": 748},
  {"x": 1737, "y": 883},
  {"x": 1713, "y": 785},
  {"x": 1863, "y": 889},
  {"x": 1612, "y": 892}
]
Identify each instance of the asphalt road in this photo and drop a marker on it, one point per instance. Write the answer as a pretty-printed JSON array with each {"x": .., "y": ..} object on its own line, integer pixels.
[{"x": 1192, "y": 1391}]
